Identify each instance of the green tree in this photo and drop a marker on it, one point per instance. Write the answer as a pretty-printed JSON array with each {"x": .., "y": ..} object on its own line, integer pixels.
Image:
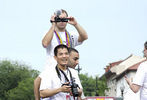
[
  {"x": 102, "y": 86},
  {"x": 23, "y": 91},
  {"x": 11, "y": 74},
  {"x": 89, "y": 85}
]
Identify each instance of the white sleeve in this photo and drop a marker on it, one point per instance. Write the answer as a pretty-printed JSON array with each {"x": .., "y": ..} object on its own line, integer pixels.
[
  {"x": 45, "y": 81},
  {"x": 41, "y": 75},
  {"x": 140, "y": 75},
  {"x": 77, "y": 79}
]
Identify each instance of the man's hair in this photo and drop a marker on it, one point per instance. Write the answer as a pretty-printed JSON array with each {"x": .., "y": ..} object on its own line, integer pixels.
[
  {"x": 64, "y": 11},
  {"x": 73, "y": 49},
  {"x": 61, "y": 46},
  {"x": 145, "y": 45}
]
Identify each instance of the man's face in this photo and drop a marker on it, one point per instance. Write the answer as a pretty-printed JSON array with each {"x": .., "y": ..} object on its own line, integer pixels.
[
  {"x": 62, "y": 25},
  {"x": 62, "y": 56},
  {"x": 73, "y": 59},
  {"x": 145, "y": 52}
]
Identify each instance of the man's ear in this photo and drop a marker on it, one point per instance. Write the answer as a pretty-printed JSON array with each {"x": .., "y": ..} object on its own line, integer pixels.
[{"x": 55, "y": 57}]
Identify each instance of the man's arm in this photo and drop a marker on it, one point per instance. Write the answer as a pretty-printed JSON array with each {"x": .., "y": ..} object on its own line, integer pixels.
[
  {"x": 37, "y": 82},
  {"x": 80, "y": 93},
  {"x": 134, "y": 87},
  {"x": 48, "y": 37},
  {"x": 82, "y": 33},
  {"x": 50, "y": 92}
]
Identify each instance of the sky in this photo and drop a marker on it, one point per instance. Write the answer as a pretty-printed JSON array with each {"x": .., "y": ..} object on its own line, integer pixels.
[{"x": 116, "y": 29}]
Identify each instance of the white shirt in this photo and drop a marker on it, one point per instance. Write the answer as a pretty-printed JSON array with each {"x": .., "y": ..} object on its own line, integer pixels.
[
  {"x": 141, "y": 80},
  {"x": 54, "y": 42},
  {"x": 50, "y": 80}
]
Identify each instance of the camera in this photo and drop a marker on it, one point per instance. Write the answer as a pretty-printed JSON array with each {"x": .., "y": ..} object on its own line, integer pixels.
[
  {"x": 57, "y": 19},
  {"x": 74, "y": 89}
]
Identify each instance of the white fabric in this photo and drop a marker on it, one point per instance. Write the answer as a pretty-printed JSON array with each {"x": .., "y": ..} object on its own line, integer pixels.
[
  {"x": 141, "y": 79},
  {"x": 50, "y": 80},
  {"x": 130, "y": 95},
  {"x": 50, "y": 61}
]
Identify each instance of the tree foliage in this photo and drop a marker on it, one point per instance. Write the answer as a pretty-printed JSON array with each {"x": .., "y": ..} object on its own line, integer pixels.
[
  {"x": 14, "y": 75},
  {"x": 89, "y": 85},
  {"x": 24, "y": 91},
  {"x": 102, "y": 86}
]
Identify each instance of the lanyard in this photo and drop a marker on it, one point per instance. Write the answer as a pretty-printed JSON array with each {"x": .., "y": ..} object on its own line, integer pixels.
[
  {"x": 68, "y": 39},
  {"x": 58, "y": 70}
]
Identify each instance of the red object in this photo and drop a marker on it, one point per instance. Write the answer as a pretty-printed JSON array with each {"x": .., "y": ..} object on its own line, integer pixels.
[{"x": 99, "y": 98}]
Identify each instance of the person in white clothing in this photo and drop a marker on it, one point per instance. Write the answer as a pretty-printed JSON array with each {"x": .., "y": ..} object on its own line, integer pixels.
[
  {"x": 140, "y": 80},
  {"x": 72, "y": 63},
  {"x": 56, "y": 35},
  {"x": 55, "y": 83}
]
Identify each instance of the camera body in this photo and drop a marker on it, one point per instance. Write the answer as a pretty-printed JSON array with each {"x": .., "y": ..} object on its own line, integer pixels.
[
  {"x": 58, "y": 19},
  {"x": 74, "y": 89}
]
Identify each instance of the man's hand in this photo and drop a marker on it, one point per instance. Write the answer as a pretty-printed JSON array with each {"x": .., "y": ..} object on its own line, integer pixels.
[
  {"x": 52, "y": 19},
  {"x": 65, "y": 87},
  {"x": 72, "y": 21},
  {"x": 128, "y": 80}
]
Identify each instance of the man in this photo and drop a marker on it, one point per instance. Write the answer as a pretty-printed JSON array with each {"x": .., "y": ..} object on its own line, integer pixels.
[
  {"x": 56, "y": 35},
  {"x": 140, "y": 80},
  {"x": 54, "y": 84},
  {"x": 72, "y": 63}
]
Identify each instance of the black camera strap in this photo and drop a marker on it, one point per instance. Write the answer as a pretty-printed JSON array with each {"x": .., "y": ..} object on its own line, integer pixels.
[{"x": 58, "y": 70}]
